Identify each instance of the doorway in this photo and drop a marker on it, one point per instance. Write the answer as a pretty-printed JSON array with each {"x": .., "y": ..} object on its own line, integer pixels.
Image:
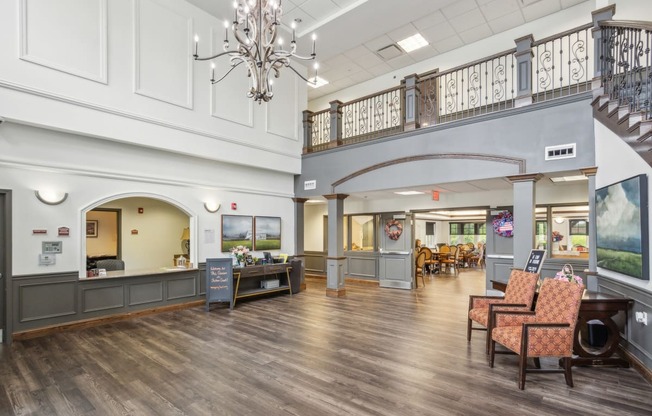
[{"x": 103, "y": 235}]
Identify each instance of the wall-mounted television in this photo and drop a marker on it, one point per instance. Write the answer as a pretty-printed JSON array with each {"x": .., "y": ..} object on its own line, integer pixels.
[{"x": 622, "y": 227}]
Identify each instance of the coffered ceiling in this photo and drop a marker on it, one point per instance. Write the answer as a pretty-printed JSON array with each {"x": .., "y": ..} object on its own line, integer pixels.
[{"x": 350, "y": 32}]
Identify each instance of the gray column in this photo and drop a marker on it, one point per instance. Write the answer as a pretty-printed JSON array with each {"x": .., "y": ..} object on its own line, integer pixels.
[
  {"x": 592, "y": 284},
  {"x": 605, "y": 13},
  {"x": 412, "y": 100},
  {"x": 299, "y": 232},
  {"x": 307, "y": 131},
  {"x": 524, "y": 216},
  {"x": 335, "y": 258},
  {"x": 523, "y": 57},
  {"x": 336, "y": 123}
]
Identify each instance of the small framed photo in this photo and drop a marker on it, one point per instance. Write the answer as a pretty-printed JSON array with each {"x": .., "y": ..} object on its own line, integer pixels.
[{"x": 91, "y": 228}]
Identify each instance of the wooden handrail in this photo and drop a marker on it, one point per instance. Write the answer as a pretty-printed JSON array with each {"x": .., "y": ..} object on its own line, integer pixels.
[
  {"x": 562, "y": 34},
  {"x": 479, "y": 61},
  {"x": 629, "y": 24},
  {"x": 375, "y": 94}
]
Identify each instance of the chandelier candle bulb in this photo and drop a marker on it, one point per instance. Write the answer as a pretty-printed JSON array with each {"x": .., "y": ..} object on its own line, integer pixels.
[
  {"x": 314, "y": 39},
  {"x": 196, "y": 45},
  {"x": 212, "y": 72}
]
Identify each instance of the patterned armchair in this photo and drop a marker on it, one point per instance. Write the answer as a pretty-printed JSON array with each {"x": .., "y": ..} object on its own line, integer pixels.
[
  {"x": 111, "y": 264},
  {"x": 519, "y": 295},
  {"x": 546, "y": 332}
]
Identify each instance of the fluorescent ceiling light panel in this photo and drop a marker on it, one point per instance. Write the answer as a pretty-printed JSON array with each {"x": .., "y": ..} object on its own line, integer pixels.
[
  {"x": 320, "y": 82},
  {"x": 409, "y": 193},
  {"x": 569, "y": 178},
  {"x": 412, "y": 43}
]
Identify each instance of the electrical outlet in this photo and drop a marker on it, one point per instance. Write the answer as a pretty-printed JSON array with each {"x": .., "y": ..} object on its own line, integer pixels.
[{"x": 641, "y": 317}]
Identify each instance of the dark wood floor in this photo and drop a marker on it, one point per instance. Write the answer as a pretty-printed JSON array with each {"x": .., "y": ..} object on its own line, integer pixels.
[{"x": 375, "y": 352}]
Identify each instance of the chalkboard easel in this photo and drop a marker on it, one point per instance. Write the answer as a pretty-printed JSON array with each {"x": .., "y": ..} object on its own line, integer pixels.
[
  {"x": 535, "y": 261},
  {"x": 219, "y": 281}
]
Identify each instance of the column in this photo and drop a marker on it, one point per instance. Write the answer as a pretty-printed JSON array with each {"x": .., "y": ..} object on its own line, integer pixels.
[
  {"x": 335, "y": 258},
  {"x": 299, "y": 232},
  {"x": 592, "y": 284},
  {"x": 605, "y": 13},
  {"x": 412, "y": 100},
  {"x": 523, "y": 57},
  {"x": 336, "y": 124},
  {"x": 307, "y": 131},
  {"x": 524, "y": 216}
]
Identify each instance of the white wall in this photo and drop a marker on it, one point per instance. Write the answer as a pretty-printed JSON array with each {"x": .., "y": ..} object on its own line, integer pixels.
[
  {"x": 617, "y": 161},
  {"x": 94, "y": 171},
  {"x": 123, "y": 71}
]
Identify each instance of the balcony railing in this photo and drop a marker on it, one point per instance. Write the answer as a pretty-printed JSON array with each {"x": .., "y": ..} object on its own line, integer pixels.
[
  {"x": 625, "y": 61},
  {"x": 534, "y": 71}
]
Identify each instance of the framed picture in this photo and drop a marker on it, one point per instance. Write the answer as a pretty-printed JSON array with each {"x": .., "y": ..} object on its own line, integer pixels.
[
  {"x": 622, "y": 227},
  {"x": 237, "y": 230},
  {"x": 268, "y": 233},
  {"x": 91, "y": 228}
]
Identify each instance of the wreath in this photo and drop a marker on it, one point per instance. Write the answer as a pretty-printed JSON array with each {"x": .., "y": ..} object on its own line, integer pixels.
[
  {"x": 393, "y": 229},
  {"x": 504, "y": 224}
]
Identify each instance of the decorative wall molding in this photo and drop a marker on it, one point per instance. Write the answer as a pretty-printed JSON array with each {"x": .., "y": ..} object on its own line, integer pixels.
[
  {"x": 150, "y": 120},
  {"x": 25, "y": 55},
  {"x": 138, "y": 70},
  {"x": 296, "y": 121}
]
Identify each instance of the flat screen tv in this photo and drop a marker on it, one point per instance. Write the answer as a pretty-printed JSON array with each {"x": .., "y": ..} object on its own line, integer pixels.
[{"x": 622, "y": 227}]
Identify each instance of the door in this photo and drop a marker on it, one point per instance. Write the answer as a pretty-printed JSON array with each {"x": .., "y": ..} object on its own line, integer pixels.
[
  {"x": 5, "y": 254},
  {"x": 499, "y": 250},
  {"x": 396, "y": 268}
]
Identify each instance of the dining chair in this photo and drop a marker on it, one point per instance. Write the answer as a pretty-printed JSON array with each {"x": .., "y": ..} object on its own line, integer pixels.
[
  {"x": 450, "y": 260},
  {"x": 477, "y": 259},
  {"x": 420, "y": 265},
  {"x": 548, "y": 331},
  {"x": 519, "y": 295},
  {"x": 430, "y": 261}
]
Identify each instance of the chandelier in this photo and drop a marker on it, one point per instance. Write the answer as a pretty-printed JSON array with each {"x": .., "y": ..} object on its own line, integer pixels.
[{"x": 254, "y": 27}]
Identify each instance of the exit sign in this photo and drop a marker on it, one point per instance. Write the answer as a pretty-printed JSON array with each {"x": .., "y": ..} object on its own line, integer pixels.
[{"x": 435, "y": 195}]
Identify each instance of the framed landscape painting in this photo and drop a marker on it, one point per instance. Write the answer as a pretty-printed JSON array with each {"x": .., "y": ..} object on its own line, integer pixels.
[
  {"x": 268, "y": 233},
  {"x": 237, "y": 230},
  {"x": 622, "y": 227}
]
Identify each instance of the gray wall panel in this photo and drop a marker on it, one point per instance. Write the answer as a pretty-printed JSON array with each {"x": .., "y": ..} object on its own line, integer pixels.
[
  {"x": 182, "y": 288},
  {"x": 46, "y": 300},
  {"x": 315, "y": 262},
  {"x": 103, "y": 298},
  {"x": 150, "y": 292},
  {"x": 362, "y": 266}
]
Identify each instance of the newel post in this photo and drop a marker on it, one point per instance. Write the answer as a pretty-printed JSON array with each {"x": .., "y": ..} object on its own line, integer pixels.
[
  {"x": 412, "y": 99},
  {"x": 307, "y": 131},
  {"x": 523, "y": 57},
  {"x": 599, "y": 47},
  {"x": 336, "y": 123}
]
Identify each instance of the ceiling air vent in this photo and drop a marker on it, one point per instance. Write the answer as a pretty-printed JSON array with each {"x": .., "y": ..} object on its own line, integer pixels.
[
  {"x": 389, "y": 52},
  {"x": 562, "y": 151}
]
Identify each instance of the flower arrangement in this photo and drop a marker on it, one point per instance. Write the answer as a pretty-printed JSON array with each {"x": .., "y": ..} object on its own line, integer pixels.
[
  {"x": 557, "y": 236},
  {"x": 503, "y": 224},
  {"x": 240, "y": 252},
  {"x": 566, "y": 273}
]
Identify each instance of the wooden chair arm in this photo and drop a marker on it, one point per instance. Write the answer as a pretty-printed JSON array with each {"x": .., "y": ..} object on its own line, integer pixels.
[
  {"x": 527, "y": 325},
  {"x": 472, "y": 298}
]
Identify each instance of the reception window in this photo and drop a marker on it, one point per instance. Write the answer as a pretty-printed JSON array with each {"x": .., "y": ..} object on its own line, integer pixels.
[{"x": 362, "y": 232}]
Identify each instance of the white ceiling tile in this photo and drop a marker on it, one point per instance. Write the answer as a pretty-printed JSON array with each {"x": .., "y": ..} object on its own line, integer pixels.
[
  {"x": 483, "y": 2},
  {"x": 380, "y": 69},
  {"x": 458, "y": 8},
  {"x": 570, "y": 3},
  {"x": 441, "y": 31},
  {"x": 445, "y": 45},
  {"x": 402, "y": 32},
  {"x": 379, "y": 42},
  {"x": 368, "y": 60},
  {"x": 475, "y": 34},
  {"x": 361, "y": 76},
  {"x": 401, "y": 61},
  {"x": 499, "y": 8},
  {"x": 424, "y": 53},
  {"x": 320, "y": 9},
  {"x": 357, "y": 51},
  {"x": 431, "y": 20},
  {"x": 540, "y": 9},
  {"x": 344, "y": 3},
  {"x": 468, "y": 20},
  {"x": 297, "y": 13},
  {"x": 507, "y": 22}
]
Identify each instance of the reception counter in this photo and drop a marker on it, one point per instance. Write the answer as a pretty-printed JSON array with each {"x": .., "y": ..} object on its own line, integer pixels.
[{"x": 112, "y": 274}]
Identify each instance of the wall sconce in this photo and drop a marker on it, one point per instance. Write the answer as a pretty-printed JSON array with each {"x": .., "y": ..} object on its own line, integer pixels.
[
  {"x": 212, "y": 207},
  {"x": 559, "y": 220},
  {"x": 51, "y": 197}
]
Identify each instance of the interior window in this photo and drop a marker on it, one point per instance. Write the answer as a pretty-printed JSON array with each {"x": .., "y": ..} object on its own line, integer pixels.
[{"x": 362, "y": 233}]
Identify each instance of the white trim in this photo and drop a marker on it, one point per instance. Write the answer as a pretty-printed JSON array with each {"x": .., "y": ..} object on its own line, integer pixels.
[
  {"x": 296, "y": 122},
  {"x": 24, "y": 55},
  {"x": 136, "y": 48},
  {"x": 138, "y": 117}
]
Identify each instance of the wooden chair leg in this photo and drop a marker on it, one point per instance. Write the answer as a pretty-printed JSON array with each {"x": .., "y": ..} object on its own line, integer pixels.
[
  {"x": 492, "y": 353},
  {"x": 567, "y": 371},
  {"x": 468, "y": 329},
  {"x": 522, "y": 366},
  {"x": 537, "y": 362}
]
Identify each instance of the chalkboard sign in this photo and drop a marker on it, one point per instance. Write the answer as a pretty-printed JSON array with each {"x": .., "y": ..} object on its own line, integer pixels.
[
  {"x": 219, "y": 281},
  {"x": 535, "y": 261}
]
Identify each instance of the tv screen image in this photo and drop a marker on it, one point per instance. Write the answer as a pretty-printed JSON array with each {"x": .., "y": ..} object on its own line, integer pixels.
[{"x": 622, "y": 227}]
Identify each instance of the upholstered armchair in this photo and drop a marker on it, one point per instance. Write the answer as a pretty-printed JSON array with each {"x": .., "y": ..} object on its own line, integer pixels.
[
  {"x": 110, "y": 264},
  {"x": 546, "y": 332},
  {"x": 519, "y": 295}
]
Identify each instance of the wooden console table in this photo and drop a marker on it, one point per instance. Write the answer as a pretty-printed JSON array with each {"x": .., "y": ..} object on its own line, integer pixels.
[
  {"x": 248, "y": 280},
  {"x": 598, "y": 306}
]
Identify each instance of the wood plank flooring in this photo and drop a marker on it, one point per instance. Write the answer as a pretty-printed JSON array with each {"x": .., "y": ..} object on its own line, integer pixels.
[{"x": 374, "y": 352}]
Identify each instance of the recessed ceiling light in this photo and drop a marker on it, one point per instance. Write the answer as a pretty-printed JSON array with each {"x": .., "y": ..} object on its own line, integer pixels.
[
  {"x": 412, "y": 43},
  {"x": 317, "y": 82},
  {"x": 409, "y": 193},
  {"x": 569, "y": 178}
]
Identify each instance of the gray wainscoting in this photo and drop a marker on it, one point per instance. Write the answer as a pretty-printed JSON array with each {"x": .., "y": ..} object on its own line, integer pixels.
[{"x": 315, "y": 261}]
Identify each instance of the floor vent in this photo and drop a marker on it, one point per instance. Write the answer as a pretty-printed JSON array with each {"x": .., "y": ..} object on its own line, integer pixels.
[{"x": 562, "y": 151}]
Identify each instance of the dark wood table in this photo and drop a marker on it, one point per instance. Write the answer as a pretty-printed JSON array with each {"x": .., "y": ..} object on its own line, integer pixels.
[{"x": 595, "y": 306}]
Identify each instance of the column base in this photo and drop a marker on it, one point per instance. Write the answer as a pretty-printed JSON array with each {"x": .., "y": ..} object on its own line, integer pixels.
[
  {"x": 336, "y": 293},
  {"x": 302, "y": 287}
]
